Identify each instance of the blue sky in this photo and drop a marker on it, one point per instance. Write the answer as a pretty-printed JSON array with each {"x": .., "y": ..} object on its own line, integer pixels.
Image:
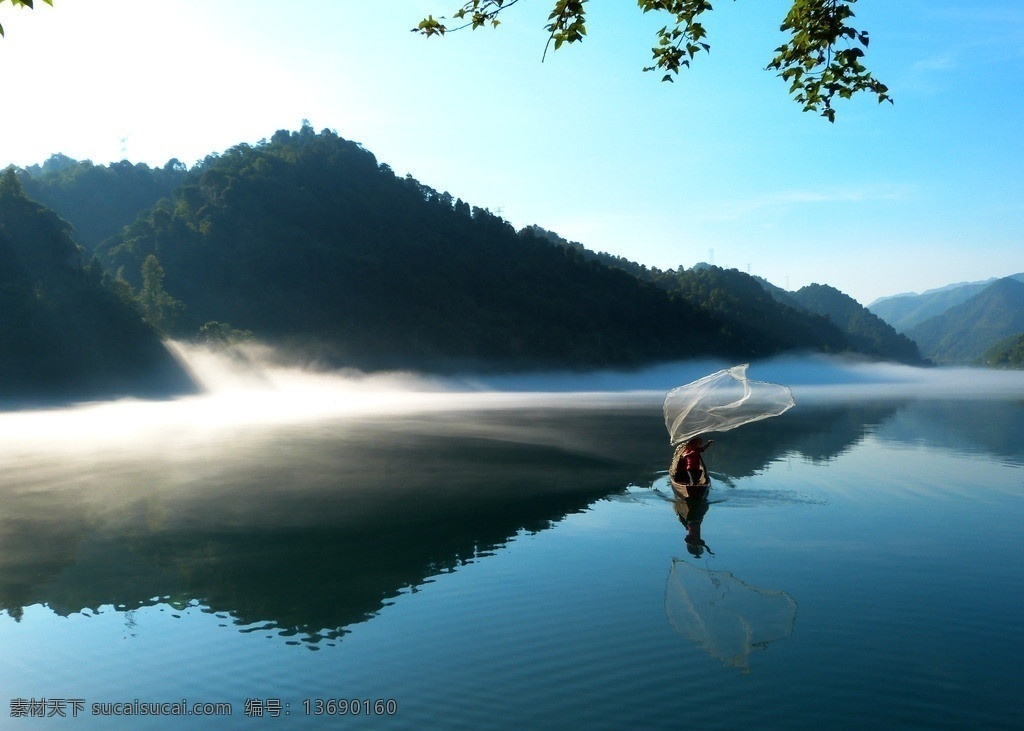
[{"x": 720, "y": 165}]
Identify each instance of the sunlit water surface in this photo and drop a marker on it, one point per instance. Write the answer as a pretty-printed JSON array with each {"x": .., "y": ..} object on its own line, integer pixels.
[{"x": 509, "y": 555}]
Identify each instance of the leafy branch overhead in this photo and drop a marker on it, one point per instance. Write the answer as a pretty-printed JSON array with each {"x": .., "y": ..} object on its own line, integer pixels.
[
  {"x": 21, "y": 4},
  {"x": 814, "y": 63},
  {"x": 821, "y": 59}
]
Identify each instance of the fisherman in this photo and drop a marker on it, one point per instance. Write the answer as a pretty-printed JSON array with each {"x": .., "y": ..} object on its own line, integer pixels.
[{"x": 691, "y": 459}]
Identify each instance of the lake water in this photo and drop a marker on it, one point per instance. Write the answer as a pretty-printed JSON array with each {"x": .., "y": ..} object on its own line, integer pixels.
[{"x": 298, "y": 551}]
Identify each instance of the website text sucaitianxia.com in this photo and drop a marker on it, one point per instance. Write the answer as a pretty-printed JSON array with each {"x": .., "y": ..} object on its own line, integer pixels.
[{"x": 251, "y": 708}]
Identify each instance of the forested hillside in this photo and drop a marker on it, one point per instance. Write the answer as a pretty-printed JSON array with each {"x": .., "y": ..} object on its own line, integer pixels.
[
  {"x": 1007, "y": 353},
  {"x": 963, "y": 334},
  {"x": 818, "y": 317},
  {"x": 307, "y": 242},
  {"x": 99, "y": 200},
  {"x": 751, "y": 312},
  {"x": 867, "y": 332},
  {"x": 906, "y": 311},
  {"x": 63, "y": 333}
]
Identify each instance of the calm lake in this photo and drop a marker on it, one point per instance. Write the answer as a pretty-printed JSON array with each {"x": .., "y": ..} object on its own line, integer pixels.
[{"x": 303, "y": 551}]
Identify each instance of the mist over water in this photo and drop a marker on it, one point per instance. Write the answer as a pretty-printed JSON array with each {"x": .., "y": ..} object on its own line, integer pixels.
[
  {"x": 258, "y": 369},
  {"x": 811, "y": 377},
  {"x": 242, "y": 390},
  {"x": 516, "y": 537},
  {"x": 248, "y": 388}
]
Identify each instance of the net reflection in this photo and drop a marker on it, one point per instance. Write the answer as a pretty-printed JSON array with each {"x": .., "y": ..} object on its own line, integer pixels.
[{"x": 725, "y": 617}]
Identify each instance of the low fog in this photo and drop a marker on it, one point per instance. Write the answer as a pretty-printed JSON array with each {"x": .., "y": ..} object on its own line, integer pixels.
[{"x": 248, "y": 388}]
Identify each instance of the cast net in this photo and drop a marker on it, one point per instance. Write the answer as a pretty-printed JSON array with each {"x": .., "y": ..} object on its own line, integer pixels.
[{"x": 722, "y": 401}]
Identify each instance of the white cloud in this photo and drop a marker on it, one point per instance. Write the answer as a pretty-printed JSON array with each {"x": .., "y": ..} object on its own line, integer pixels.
[{"x": 784, "y": 201}]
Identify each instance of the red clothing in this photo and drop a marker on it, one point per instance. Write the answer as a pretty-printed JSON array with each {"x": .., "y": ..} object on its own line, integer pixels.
[{"x": 691, "y": 457}]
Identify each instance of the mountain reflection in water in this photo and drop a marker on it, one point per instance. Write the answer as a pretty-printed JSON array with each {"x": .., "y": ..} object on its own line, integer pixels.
[
  {"x": 309, "y": 527},
  {"x": 313, "y": 526}
]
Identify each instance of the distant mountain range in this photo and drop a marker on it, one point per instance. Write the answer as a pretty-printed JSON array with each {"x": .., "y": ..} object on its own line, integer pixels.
[
  {"x": 904, "y": 311},
  {"x": 965, "y": 332},
  {"x": 307, "y": 242},
  {"x": 968, "y": 323}
]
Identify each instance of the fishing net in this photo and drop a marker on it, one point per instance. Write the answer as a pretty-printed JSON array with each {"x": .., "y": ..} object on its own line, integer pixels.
[
  {"x": 727, "y": 619},
  {"x": 722, "y": 401}
]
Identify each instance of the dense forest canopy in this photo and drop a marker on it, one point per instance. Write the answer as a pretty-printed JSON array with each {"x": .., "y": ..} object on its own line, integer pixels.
[
  {"x": 63, "y": 331},
  {"x": 306, "y": 240},
  {"x": 817, "y": 317},
  {"x": 309, "y": 243},
  {"x": 99, "y": 199},
  {"x": 866, "y": 332}
]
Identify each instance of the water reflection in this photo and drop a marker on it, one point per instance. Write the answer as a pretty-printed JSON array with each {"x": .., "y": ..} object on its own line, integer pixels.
[
  {"x": 691, "y": 512},
  {"x": 826, "y": 431},
  {"x": 311, "y": 527},
  {"x": 819, "y": 433},
  {"x": 721, "y": 614},
  {"x": 308, "y": 528},
  {"x": 992, "y": 427},
  {"x": 725, "y": 617}
]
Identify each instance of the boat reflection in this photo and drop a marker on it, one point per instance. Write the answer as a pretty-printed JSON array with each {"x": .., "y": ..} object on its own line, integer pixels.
[
  {"x": 691, "y": 512},
  {"x": 724, "y": 616}
]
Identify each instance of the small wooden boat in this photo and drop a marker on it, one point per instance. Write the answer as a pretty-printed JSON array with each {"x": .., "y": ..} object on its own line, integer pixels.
[{"x": 680, "y": 480}]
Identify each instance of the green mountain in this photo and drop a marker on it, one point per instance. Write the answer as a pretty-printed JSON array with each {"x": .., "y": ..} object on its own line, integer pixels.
[
  {"x": 99, "y": 200},
  {"x": 905, "y": 311},
  {"x": 965, "y": 332},
  {"x": 751, "y": 312},
  {"x": 866, "y": 332},
  {"x": 1007, "y": 353},
  {"x": 638, "y": 270},
  {"x": 816, "y": 318},
  {"x": 64, "y": 334},
  {"x": 309, "y": 243}
]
